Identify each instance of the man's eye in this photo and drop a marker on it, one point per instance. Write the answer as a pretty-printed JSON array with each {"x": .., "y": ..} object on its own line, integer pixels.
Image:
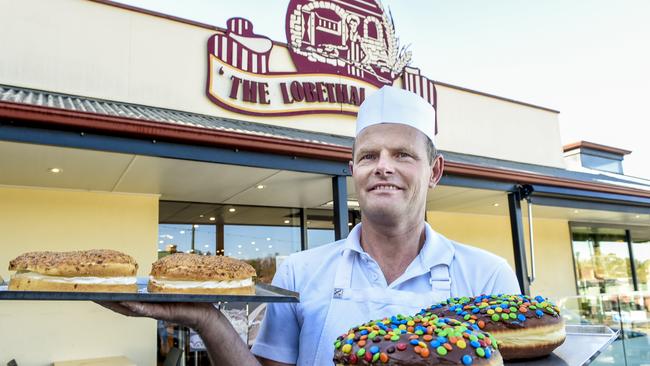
[
  {"x": 367, "y": 157},
  {"x": 403, "y": 155}
]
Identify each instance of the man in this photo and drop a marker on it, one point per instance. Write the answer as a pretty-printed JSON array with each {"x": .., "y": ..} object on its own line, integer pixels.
[{"x": 393, "y": 262}]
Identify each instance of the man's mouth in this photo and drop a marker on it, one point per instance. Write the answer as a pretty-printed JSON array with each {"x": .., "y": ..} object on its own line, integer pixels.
[{"x": 383, "y": 188}]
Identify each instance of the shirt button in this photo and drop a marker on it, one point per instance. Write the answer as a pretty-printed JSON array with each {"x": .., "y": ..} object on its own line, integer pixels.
[{"x": 374, "y": 277}]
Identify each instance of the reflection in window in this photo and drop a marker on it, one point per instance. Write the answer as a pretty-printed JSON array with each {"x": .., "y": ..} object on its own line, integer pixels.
[{"x": 602, "y": 260}]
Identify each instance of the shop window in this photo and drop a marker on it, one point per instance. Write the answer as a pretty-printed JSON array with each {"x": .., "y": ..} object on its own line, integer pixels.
[{"x": 602, "y": 260}]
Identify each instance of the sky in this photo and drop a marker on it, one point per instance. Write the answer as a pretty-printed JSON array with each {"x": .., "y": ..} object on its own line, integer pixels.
[{"x": 589, "y": 59}]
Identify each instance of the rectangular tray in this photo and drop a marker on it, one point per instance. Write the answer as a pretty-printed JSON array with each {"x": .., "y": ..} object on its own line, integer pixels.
[
  {"x": 263, "y": 293},
  {"x": 583, "y": 344}
]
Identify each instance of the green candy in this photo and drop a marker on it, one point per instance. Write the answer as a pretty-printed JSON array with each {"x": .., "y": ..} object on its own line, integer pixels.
[
  {"x": 382, "y": 332},
  {"x": 394, "y": 338},
  {"x": 375, "y": 357},
  {"x": 467, "y": 317},
  {"x": 419, "y": 332},
  {"x": 513, "y": 316},
  {"x": 441, "y": 350},
  {"x": 361, "y": 352},
  {"x": 473, "y": 338},
  {"x": 495, "y": 317},
  {"x": 480, "y": 351},
  {"x": 505, "y": 316},
  {"x": 337, "y": 344},
  {"x": 513, "y": 309},
  {"x": 372, "y": 335}
]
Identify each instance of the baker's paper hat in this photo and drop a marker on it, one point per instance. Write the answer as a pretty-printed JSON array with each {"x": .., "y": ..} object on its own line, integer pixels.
[{"x": 395, "y": 105}]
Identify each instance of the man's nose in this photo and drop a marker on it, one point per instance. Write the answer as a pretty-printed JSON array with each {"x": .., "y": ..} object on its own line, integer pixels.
[{"x": 384, "y": 165}]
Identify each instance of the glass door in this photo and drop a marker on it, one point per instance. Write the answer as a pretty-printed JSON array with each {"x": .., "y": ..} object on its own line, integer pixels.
[{"x": 602, "y": 260}]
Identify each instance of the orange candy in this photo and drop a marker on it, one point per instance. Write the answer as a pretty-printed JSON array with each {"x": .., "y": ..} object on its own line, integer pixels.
[
  {"x": 424, "y": 352},
  {"x": 417, "y": 349},
  {"x": 361, "y": 343},
  {"x": 448, "y": 346},
  {"x": 410, "y": 329},
  {"x": 427, "y": 337},
  {"x": 364, "y": 337},
  {"x": 414, "y": 336},
  {"x": 453, "y": 340},
  {"x": 383, "y": 357},
  {"x": 481, "y": 324}
]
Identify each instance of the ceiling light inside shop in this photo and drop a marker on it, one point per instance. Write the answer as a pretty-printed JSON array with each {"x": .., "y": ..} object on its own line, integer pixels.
[
  {"x": 162, "y": 241},
  {"x": 252, "y": 243},
  {"x": 196, "y": 226},
  {"x": 270, "y": 246},
  {"x": 261, "y": 186},
  {"x": 267, "y": 239},
  {"x": 55, "y": 170},
  {"x": 496, "y": 205},
  {"x": 213, "y": 218},
  {"x": 201, "y": 215},
  {"x": 637, "y": 216},
  {"x": 287, "y": 221},
  {"x": 349, "y": 224},
  {"x": 239, "y": 246},
  {"x": 182, "y": 231},
  {"x": 257, "y": 249},
  {"x": 206, "y": 246},
  {"x": 576, "y": 211},
  {"x": 232, "y": 209}
]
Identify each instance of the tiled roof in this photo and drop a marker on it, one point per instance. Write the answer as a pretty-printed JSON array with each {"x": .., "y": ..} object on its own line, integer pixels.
[{"x": 139, "y": 112}]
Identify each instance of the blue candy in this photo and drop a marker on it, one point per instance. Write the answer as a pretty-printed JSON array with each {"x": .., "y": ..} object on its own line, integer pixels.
[
  {"x": 488, "y": 353},
  {"x": 363, "y": 332},
  {"x": 475, "y": 344},
  {"x": 539, "y": 313},
  {"x": 521, "y": 317},
  {"x": 415, "y": 342},
  {"x": 374, "y": 349},
  {"x": 442, "y": 340},
  {"x": 467, "y": 360}
]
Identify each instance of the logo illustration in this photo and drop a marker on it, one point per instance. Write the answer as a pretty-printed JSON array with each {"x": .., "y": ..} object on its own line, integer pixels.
[
  {"x": 341, "y": 50},
  {"x": 354, "y": 38}
]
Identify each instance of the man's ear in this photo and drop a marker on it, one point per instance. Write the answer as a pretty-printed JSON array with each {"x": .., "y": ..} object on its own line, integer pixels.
[
  {"x": 437, "y": 169},
  {"x": 350, "y": 166}
]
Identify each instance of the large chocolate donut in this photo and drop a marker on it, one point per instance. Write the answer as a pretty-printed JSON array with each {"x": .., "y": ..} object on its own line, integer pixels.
[
  {"x": 525, "y": 327},
  {"x": 423, "y": 339}
]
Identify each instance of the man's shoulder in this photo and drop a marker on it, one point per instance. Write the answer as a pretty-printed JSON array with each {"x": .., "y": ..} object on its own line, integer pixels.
[{"x": 313, "y": 262}]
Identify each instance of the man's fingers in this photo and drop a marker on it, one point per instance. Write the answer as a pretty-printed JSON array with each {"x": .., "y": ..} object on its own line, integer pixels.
[{"x": 144, "y": 309}]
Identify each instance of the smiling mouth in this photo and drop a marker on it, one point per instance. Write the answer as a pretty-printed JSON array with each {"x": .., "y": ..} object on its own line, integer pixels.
[{"x": 384, "y": 188}]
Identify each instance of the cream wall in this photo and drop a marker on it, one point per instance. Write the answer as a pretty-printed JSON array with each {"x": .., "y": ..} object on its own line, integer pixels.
[
  {"x": 90, "y": 49},
  {"x": 553, "y": 255},
  {"x": 479, "y": 125},
  {"x": 35, "y": 333}
]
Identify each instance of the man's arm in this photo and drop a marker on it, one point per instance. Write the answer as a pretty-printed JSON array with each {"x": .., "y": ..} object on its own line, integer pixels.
[{"x": 223, "y": 344}]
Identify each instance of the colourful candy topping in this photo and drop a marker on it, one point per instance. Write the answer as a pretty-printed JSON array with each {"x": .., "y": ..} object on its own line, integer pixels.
[
  {"x": 510, "y": 309},
  {"x": 424, "y": 334}
]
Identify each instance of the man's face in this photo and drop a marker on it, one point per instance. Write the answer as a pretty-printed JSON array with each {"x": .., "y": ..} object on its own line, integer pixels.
[{"x": 391, "y": 172}]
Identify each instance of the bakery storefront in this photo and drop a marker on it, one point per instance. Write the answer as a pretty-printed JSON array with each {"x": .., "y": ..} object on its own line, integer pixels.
[{"x": 125, "y": 129}]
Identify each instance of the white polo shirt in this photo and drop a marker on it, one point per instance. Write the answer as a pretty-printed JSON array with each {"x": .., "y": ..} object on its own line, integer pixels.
[{"x": 290, "y": 332}]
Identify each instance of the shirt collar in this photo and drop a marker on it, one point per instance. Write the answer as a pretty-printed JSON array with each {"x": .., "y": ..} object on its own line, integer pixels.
[{"x": 435, "y": 251}]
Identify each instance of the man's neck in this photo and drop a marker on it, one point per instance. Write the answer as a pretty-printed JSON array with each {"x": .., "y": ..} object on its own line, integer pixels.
[{"x": 392, "y": 247}]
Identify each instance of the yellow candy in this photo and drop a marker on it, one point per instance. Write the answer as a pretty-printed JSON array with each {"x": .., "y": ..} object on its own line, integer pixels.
[
  {"x": 402, "y": 327},
  {"x": 461, "y": 344},
  {"x": 346, "y": 348},
  {"x": 410, "y": 323},
  {"x": 490, "y": 312},
  {"x": 498, "y": 310},
  {"x": 351, "y": 336}
]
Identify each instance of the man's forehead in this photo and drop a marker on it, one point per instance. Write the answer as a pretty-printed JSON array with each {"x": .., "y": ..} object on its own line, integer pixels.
[{"x": 385, "y": 133}]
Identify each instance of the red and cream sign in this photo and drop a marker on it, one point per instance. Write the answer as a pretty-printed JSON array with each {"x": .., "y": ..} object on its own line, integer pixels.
[{"x": 342, "y": 51}]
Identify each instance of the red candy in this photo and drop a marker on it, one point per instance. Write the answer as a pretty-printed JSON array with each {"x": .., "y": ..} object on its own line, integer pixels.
[
  {"x": 353, "y": 359},
  {"x": 401, "y": 346}
]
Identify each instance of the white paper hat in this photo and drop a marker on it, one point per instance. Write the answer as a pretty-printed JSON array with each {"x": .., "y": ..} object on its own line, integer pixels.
[{"x": 395, "y": 105}]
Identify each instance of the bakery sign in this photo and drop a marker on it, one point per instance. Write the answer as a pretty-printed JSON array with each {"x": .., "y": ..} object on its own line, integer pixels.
[{"x": 342, "y": 50}]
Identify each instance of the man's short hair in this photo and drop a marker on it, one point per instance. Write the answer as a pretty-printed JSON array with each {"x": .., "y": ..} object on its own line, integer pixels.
[{"x": 432, "y": 152}]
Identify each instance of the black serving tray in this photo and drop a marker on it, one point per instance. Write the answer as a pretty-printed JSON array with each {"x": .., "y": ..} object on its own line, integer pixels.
[{"x": 263, "y": 293}]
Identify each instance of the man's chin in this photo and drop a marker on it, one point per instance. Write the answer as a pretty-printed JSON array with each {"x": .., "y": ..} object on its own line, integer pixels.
[{"x": 384, "y": 214}]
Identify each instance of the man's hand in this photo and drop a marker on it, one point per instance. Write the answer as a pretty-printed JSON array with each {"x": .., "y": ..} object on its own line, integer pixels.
[{"x": 193, "y": 315}]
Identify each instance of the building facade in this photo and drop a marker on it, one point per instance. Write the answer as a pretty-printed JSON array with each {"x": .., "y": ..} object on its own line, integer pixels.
[{"x": 127, "y": 129}]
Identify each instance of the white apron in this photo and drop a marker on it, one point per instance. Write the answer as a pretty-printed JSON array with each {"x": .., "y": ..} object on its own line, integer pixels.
[{"x": 363, "y": 305}]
